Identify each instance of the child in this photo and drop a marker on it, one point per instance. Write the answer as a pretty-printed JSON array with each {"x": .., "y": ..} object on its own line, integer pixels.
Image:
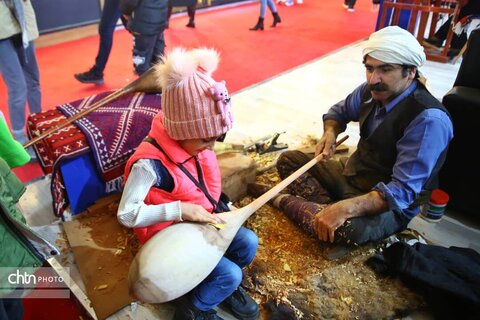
[{"x": 174, "y": 176}]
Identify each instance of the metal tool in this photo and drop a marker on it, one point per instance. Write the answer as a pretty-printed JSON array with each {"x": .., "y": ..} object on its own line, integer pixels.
[{"x": 266, "y": 144}]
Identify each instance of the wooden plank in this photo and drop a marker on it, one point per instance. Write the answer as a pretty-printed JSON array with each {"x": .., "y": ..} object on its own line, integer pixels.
[{"x": 103, "y": 252}]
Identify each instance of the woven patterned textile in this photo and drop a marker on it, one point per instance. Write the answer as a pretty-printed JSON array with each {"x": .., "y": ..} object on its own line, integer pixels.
[
  {"x": 115, "y": 130},
  {"x": 111, "y": 133},
  {"x": 63, "y": 143}
]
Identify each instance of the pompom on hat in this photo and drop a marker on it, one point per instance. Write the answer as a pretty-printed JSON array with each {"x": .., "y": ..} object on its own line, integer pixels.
[{"x": 194, "y": 105}]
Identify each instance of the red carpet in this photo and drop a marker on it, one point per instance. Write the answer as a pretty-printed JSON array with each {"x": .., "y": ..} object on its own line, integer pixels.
[{"x": 307, "y": 32}]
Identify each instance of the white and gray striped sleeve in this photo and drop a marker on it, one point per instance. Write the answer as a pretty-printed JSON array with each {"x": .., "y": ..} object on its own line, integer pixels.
[{"x": 132, "y": 211}]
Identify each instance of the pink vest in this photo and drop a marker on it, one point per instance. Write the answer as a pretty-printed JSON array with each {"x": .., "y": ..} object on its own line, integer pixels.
[{"x": 184, "y": 189}]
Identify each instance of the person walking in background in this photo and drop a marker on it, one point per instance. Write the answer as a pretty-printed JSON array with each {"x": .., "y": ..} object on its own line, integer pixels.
[
  {"x": 18, "y": 64},
  {"x": 263, "y": 10},
  {"x": 191, "y": 8},
  {"x": 350, "y": 4},
  {"x": 110, "y": 15},
  {"x": 146, "y": 20}
]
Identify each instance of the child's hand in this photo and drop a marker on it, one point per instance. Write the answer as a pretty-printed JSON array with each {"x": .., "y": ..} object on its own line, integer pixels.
[{"x": 195, "y": 212}]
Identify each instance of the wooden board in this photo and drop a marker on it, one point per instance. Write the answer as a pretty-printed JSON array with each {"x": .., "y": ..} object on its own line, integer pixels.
[{"x": 103, "y": 252}]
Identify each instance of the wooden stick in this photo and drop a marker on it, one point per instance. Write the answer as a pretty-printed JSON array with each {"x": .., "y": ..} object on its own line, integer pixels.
[
  {"x": 267, "y": 196},
  {"x": 84, "y": 112},
  {"x": 145, "y": 83}
]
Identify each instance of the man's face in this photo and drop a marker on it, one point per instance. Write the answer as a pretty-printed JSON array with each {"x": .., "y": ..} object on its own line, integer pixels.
[{"x": 386, "y": 80}]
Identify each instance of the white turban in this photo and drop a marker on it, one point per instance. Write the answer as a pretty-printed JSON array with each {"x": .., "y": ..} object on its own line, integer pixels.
[{"x": 395, "y": 45}]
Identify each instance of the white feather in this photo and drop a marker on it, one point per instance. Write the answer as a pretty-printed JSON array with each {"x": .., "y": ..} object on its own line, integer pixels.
[
  {"x": 179, "y": 65},
  {"x": 208, "y": 59}
]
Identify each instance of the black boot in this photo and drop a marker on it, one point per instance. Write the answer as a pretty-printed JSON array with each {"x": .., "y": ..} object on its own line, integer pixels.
[
  {"x": 259, "y": 25},
  {"x": 191, "y": 16},
  {"x": 185, "y": 310},
  {"x": 276, "y": 19},
  {"x": 191, "y": 23},
  {"x": 242, "y": 305},
  {"x": 90, "y": 76}
]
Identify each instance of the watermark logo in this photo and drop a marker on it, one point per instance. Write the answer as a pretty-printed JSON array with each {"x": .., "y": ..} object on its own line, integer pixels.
[{"x": 32, "y": 283}]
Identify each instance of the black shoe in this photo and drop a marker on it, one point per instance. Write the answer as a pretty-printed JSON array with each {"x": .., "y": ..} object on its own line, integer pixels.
[
  {"x": 276, "y": 19},
  {"x": 90, "y": 77},
  {"x": 242, "y": 305},
  {"x": 259, "y": 25},
  {"x": 185, "y": 310},
  {"x": 191, "y": 24}
]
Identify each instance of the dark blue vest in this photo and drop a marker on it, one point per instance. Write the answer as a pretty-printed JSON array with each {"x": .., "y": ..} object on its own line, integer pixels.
[{"x": 376, "y": 154}]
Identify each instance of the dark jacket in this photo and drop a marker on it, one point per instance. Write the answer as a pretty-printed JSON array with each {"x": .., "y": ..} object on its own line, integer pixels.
[
  {"x": 145, "y": 16},
  {"x": 448, "y": 278}
]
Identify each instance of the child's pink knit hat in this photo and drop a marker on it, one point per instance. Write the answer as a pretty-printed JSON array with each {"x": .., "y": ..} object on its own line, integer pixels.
[{"x": 194, "y": 105}]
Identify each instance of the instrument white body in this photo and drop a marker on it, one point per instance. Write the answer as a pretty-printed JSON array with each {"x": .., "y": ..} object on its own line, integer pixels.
[{"x": 178, "y": 258}]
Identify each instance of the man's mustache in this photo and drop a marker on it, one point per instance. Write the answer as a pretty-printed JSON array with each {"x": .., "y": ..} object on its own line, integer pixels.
[{"x": 377, "y": 87}]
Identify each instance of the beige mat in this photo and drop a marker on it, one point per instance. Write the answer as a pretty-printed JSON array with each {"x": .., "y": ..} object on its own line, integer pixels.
[{"x": 103, "y": 251}]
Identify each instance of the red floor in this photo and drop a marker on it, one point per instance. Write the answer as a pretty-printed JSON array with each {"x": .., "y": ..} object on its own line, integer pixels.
[{"x": 306, "y": 32}]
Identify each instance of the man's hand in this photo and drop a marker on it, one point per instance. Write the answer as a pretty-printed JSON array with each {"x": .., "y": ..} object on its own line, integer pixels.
[
  {"x": 329, "y": 219},
  {"x": 195, "y": 212},
  {"x": 326, "y": 146},
  {"x": 327, "y": 143}
]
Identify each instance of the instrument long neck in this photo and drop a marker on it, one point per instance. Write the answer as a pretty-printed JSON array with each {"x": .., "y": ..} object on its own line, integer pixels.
[{"x": 267, "y": 196}]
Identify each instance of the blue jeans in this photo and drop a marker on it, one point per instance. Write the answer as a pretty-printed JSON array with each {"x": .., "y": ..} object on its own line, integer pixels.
[
  {"x": 263, "y": 7},
  {"x": 227, "y": 275},
  {"x": 110, "y": 15},
  {"x": 19, "y": 70}
]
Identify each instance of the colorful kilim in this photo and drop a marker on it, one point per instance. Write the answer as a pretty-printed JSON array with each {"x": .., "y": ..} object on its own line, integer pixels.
[
  {"x": 63, "y": 143},
  {"x": 114, "y": 130},
  {"x": 111, "y": 133}
]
